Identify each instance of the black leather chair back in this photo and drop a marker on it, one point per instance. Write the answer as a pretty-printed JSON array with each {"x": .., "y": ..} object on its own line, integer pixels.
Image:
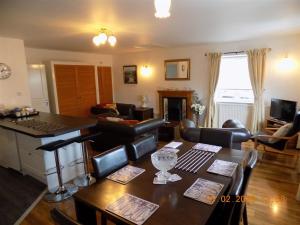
[
  {"x": 62, "y": 219},
  {"x": 240, "y": 206},
  {"x": 296, "y": 125},
  {"x": 223, "y": 213},
  {"x": 141, "y": 147},
  {"x": 251, "y": 163},
  {"x": 216, "y": 137},
  {"x": 109, "y": 161}
]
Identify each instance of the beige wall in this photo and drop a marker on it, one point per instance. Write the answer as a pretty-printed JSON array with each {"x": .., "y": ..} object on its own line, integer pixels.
[
  {"x": 279, "y": 84},
  {"x": 36, "y": 56},
  {"x": 14, "y": 91}
]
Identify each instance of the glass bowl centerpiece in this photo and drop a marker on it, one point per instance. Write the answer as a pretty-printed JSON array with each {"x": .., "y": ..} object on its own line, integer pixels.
[{"x": 163, "y": 161}]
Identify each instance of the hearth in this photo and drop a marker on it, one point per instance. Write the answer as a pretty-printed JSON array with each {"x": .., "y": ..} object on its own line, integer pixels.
[
  {"x": 175, "y": 105},
  {"x": 174, "y": 108}
]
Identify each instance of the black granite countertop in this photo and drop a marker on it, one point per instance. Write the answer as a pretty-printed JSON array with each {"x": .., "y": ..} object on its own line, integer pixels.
[{"x": 47, "y": 124}]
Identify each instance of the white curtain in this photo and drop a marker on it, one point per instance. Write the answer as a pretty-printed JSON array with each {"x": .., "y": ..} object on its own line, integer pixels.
[
  {"x": 257, "y": 64},
  {"x": 214, "y": 60}
]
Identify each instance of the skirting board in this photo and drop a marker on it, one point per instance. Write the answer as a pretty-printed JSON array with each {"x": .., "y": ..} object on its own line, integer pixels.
[{"x": 31, "y": 207}]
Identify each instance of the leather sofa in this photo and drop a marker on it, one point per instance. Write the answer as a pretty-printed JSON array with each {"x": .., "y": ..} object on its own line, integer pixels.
[
  {"x": 115, "y": 133},
  {"x": 126, "y": 111},
  {"x": 189, "y": 132}
]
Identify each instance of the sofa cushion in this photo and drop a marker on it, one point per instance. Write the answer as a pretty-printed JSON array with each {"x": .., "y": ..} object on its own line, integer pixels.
[
  {"x": 281, "y": 132},
  {"x": 112, "y": 106}
]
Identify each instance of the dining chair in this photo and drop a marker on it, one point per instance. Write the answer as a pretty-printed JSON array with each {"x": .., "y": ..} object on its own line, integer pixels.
[
  {"x": 216, "y": 137},
  {"x": 141, "y": 147},
  {"x": 222, "y": 215},
  {"x": 240, "y": 207},
  {"x": 109, "y": 161},
  {"x": 61, "y": 218}
]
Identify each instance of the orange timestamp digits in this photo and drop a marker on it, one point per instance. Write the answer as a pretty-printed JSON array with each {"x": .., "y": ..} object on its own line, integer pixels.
[{"x": 238, "y": 198}]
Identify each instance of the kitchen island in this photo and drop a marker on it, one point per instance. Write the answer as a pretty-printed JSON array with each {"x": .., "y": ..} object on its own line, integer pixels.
[{"x": 19, "y": 139}]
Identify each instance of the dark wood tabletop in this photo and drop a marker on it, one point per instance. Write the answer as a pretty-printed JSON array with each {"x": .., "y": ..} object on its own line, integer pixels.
[
  {"x": 64, "y": 124},
  {"x": 173, "y": 209}
]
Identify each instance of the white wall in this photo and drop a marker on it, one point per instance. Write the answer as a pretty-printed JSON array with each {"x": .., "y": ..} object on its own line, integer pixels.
[
  {"x": 279, "y": 84},
  {"x": 37, "y": 56},
  {"x": 14, "y": 91}
]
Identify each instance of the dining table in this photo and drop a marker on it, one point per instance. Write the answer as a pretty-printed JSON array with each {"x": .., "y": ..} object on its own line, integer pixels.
[{"x": 174, "y": 207}]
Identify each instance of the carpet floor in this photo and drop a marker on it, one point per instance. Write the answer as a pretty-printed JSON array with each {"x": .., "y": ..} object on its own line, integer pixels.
[{"x": 17, "y": 193}]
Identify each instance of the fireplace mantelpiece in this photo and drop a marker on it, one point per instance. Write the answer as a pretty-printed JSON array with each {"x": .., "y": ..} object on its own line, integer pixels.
[{"x": 187, "y": 94}]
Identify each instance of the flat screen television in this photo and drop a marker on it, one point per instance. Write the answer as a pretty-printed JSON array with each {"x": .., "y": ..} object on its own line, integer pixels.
[{"x": 283, "y": 110}]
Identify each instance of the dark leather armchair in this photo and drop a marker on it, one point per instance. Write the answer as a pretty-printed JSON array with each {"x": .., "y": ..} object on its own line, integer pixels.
[
  {"x": 114, "y": 133},
  {"x": 189, "y": 132}
]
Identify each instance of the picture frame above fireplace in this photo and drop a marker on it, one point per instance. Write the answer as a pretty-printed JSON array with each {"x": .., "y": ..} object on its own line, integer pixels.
[{"x": 177, "y": 69}]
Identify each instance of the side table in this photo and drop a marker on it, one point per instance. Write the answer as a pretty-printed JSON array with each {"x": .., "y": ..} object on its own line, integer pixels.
[
  {"x": 169, "y": 131},
  {"x": 141, "y": 113}
]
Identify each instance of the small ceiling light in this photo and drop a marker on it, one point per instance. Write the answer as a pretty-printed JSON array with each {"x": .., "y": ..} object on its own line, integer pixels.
[
  {"x": 103, "y": 37},
  {"x": 112, "y": 40},
  {"x": 162, "y": 8}
]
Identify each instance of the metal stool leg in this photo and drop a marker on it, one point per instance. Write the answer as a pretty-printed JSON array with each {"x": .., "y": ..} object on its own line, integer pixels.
[
  {"x": 63, "y": 192},
  {"x": 86, "y": 179}
]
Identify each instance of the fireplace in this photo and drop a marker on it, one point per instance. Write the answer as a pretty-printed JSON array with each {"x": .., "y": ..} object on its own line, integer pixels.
[
  {"x": 174, "y": 108},
  {"x": 175, "y": 105}
]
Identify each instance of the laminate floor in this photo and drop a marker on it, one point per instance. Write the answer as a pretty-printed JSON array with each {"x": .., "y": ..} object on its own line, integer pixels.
[{"x": 272, "y": 190}]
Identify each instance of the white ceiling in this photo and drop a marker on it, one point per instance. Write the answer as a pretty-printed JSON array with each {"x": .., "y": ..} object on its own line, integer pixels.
[{"x": 71, "y": 24}]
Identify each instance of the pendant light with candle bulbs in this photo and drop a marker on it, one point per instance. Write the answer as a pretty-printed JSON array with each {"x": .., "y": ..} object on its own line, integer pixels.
[{"x": 103, "y": 37}]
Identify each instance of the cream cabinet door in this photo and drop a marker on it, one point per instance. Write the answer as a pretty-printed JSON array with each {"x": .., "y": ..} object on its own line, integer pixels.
[{"x": 9, "y": 153}]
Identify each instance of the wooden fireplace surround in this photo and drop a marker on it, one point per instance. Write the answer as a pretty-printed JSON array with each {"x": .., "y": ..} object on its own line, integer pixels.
[{"x": 188, "y": 94}]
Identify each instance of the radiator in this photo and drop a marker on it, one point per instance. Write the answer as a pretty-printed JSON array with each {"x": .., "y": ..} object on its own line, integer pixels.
[{"x": 238, "y": 111}]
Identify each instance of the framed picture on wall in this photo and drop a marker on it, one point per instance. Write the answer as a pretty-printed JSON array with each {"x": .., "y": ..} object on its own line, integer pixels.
[{"x": 130, "y": 74}]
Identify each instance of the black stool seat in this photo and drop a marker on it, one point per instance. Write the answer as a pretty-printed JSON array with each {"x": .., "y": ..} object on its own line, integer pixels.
[
  {"x": 88, "y": 137},
  {"x": 62, "y": 191},
  {"x": 57, "y": 144},
  {"x": 50, "y": 147}
]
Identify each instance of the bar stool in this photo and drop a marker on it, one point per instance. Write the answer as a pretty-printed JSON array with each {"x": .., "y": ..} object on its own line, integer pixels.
[
  {"x": 86, "y": 179},
  {"x": 63, "y": 191}
]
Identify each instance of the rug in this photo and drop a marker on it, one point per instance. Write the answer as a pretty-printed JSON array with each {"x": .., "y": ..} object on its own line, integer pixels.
[{"x": 17, "y": 193}]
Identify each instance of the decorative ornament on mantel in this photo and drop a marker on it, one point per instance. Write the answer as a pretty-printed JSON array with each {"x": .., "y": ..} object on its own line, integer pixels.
[
  {"x": 144, "y": 100},
  {"x": 162, "y": 8},
  {"x": 103, "y": 36}
]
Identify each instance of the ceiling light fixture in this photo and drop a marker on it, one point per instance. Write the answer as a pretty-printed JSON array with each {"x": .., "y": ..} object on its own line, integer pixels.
[
  {"x": 104, "y": 36},
  {"x": 162, "y": 8}
]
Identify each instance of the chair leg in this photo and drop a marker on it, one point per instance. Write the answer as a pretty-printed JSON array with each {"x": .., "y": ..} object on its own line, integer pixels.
[
  {"x": 103, "y": 219},
  {"x": 245, "y": 218}
]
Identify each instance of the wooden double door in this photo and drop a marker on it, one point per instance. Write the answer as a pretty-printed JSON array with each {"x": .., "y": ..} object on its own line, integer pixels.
[{"x": 76, "y": 88}]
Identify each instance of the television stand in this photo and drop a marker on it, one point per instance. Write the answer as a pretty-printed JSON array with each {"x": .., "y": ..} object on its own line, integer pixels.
[{"x": 274, "y": 123}]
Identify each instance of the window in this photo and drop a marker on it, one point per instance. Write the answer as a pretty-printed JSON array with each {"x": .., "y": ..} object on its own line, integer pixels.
[{"x": 234, "y": 83}]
